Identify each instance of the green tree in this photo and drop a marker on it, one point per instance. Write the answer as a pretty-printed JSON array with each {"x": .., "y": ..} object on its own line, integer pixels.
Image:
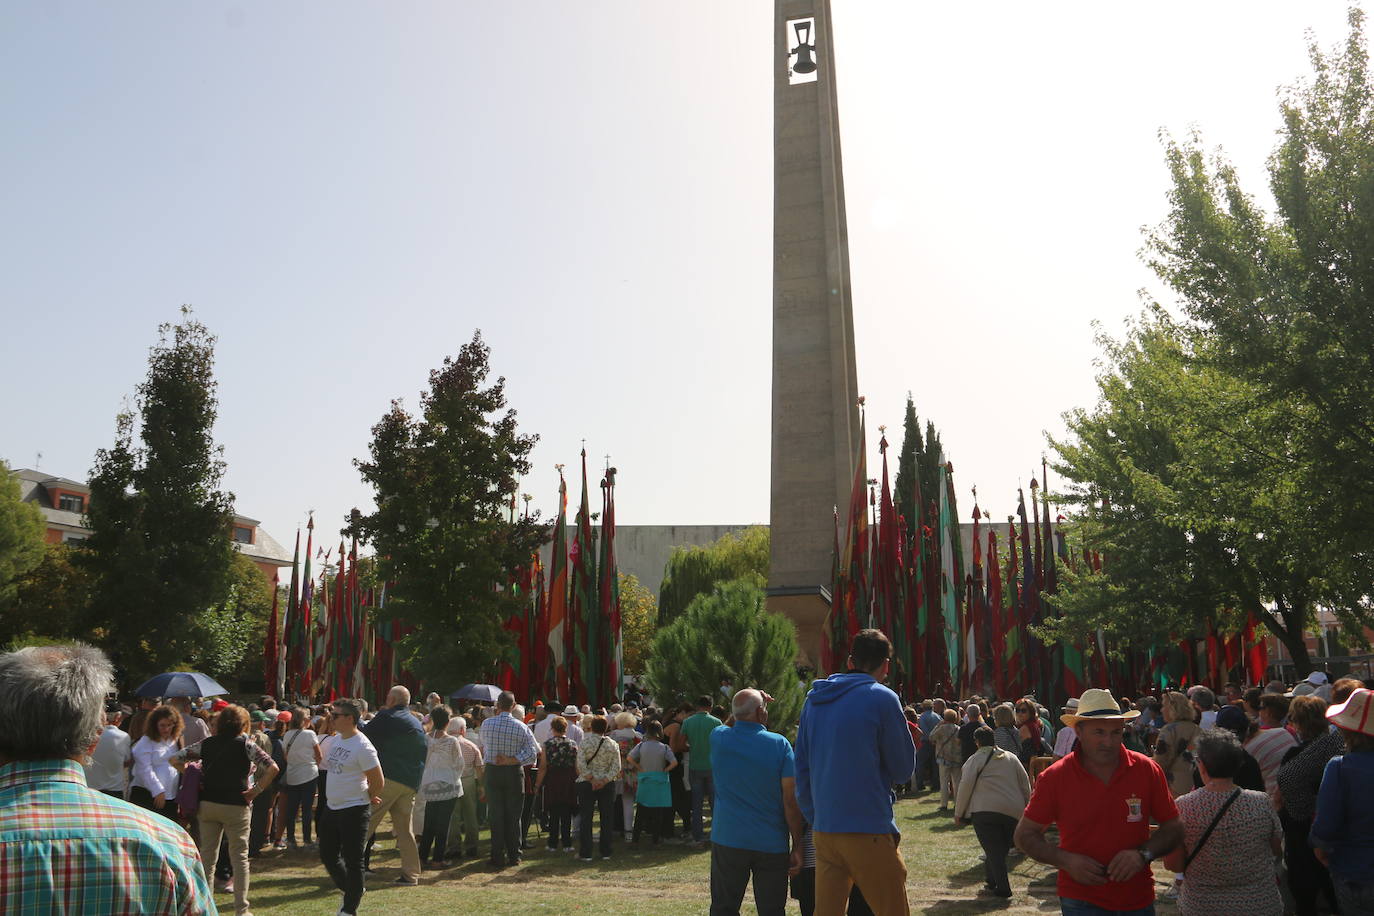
[
  {"x": 918, "y": 454},
  {"x": 1188, "y": 480},
  {"x": 21, "y": 535},
  {"x": 49, "y": 602},
  {"x": 638, "y": 620},
  {"x": 159, "y": 548},
  {"x": 693, "y": 571},
  {"x": 443, "y": 481},
  {"x": 729, "y": 634},
  {"x": 1284, "y": 295},
  {"x": 239, "y": 625}
]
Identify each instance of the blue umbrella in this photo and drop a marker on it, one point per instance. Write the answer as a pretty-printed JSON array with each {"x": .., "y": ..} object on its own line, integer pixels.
[
  {"x": 482, "y": 693},
  {"x": 180, "y": 684}
]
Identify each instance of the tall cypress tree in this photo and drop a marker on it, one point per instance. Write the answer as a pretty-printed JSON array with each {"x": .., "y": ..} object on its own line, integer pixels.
[
  {"x": 920, "y": 456},
  {"x": 907, "y": 462},
  {"x": 159, "y": 547}
]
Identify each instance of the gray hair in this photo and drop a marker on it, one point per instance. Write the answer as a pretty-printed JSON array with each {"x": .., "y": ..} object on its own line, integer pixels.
[
  {"x": 457, "y": 726},
  {"x": 1220, "y": 751},
  {"x": 1202, "y": 696},
  {"x": 505, "y": 701},
  {"x": 398, "y": 696},
  {"x": 745, "y": 703},
  {"x": 518, "y": 711},
  {"x": 51, "y": 699}
]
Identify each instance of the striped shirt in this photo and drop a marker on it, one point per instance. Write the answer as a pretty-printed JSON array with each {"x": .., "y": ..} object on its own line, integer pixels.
[
  {"x": 66, "y": 848},
  {"x": 1268, "y": 747},
  {"x": 504, "y": 735},
  {"x": 472, "y": 757}
]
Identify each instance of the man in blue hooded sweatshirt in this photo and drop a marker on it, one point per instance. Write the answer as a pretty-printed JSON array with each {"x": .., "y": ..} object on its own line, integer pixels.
[{"x": 853, "y": 746}]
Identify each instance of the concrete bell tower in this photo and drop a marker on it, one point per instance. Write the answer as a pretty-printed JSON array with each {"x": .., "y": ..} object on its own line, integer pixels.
[{"x": 815, "y": 417}]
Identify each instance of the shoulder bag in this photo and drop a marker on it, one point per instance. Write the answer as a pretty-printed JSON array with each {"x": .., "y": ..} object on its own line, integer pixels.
[
  {"x": 1202, "y": 841},
  {"x": 976, "y": 777}
]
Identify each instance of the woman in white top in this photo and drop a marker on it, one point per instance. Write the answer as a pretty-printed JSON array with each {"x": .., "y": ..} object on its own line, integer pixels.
[
  {"x": 302, "y": 750},
  {"x": 441, "y": 785},
  {"x": 155, "y": 781},
  {"x": 993, "y": 791}
]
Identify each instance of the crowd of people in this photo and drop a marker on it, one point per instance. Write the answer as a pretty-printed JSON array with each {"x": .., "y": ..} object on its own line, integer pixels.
[{"x": 1255, "y": 800}]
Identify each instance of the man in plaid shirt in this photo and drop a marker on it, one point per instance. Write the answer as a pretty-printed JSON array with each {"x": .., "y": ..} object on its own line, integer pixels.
[
  {"x": 64, "y": 847},
  {"x": 507, "y": 744}
]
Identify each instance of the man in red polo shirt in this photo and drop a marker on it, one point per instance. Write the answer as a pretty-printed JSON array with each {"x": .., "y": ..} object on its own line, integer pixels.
[{"x": 1103, "y": 798}]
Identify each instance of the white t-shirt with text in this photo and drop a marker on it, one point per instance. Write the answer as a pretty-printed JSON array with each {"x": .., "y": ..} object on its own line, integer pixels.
[{"x": 348, "y": 760}]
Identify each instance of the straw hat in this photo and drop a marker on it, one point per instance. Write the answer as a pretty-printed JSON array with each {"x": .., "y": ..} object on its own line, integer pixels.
[
  {"x": 571, "y": 710},
  {"x": 1356, "y": 714},
  {"x": 1097, "y": 703}
]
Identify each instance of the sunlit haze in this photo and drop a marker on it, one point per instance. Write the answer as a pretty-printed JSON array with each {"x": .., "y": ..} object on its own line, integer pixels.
[{"x": 344, "y": 191}]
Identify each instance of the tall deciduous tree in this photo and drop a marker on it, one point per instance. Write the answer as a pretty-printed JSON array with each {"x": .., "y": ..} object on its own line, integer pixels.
[
  {"x": 693, "y": 571},
  {"x": 21, "y": 535},
  {"x": 728, "y": 634},
  {"x": 443, "y": 482},
  {"x": 159, "y": 548},
  {"x": 1285, "y": 296},
  {"x": 1189, "y": 483}
]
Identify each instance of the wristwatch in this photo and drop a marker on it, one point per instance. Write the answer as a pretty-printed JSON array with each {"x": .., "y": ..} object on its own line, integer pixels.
[{"x": 1146, "y": 854}]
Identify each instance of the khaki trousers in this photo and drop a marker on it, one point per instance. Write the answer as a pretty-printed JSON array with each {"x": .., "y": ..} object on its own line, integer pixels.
[
  {"x": 463, "y": 827},
  {"x": 232, "y": 822},
  {"x": 870, "y": 860},
  {"x": 399, "y": 801}
]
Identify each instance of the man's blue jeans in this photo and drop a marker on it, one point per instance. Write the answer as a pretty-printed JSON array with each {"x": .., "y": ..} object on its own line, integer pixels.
[
  {"x": 702, "y": 786},
  {"x": 1070, "y": 907}
]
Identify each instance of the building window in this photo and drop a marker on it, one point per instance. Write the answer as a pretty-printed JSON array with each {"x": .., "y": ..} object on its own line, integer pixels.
[
  {"x": 243, "y": 535},
  {"x": 69, "y": 502},
  {"x": 74, "y": 539}
]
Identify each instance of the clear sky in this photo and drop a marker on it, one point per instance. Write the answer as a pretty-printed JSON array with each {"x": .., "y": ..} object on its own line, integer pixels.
[{"x": 345, "y": 190}]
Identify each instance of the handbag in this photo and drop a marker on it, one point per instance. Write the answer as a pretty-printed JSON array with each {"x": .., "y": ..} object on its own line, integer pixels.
[{"x": 188, "y": 792}]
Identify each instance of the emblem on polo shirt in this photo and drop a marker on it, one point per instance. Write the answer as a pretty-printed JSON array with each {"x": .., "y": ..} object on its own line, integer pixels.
[{"x": 1134, "y": 813}]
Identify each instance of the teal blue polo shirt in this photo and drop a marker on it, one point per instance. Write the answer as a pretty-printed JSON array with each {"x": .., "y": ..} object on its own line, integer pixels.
[{"x": 749, "y": 762}]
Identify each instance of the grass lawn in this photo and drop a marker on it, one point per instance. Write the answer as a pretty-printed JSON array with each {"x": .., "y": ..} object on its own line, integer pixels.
[{"x": 944, "y": 874}]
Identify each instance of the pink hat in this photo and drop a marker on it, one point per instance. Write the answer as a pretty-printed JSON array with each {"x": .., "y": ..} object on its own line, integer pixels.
[
  {"x": 1356, "y": 714},
  {"x": 284, "y": 716}
]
